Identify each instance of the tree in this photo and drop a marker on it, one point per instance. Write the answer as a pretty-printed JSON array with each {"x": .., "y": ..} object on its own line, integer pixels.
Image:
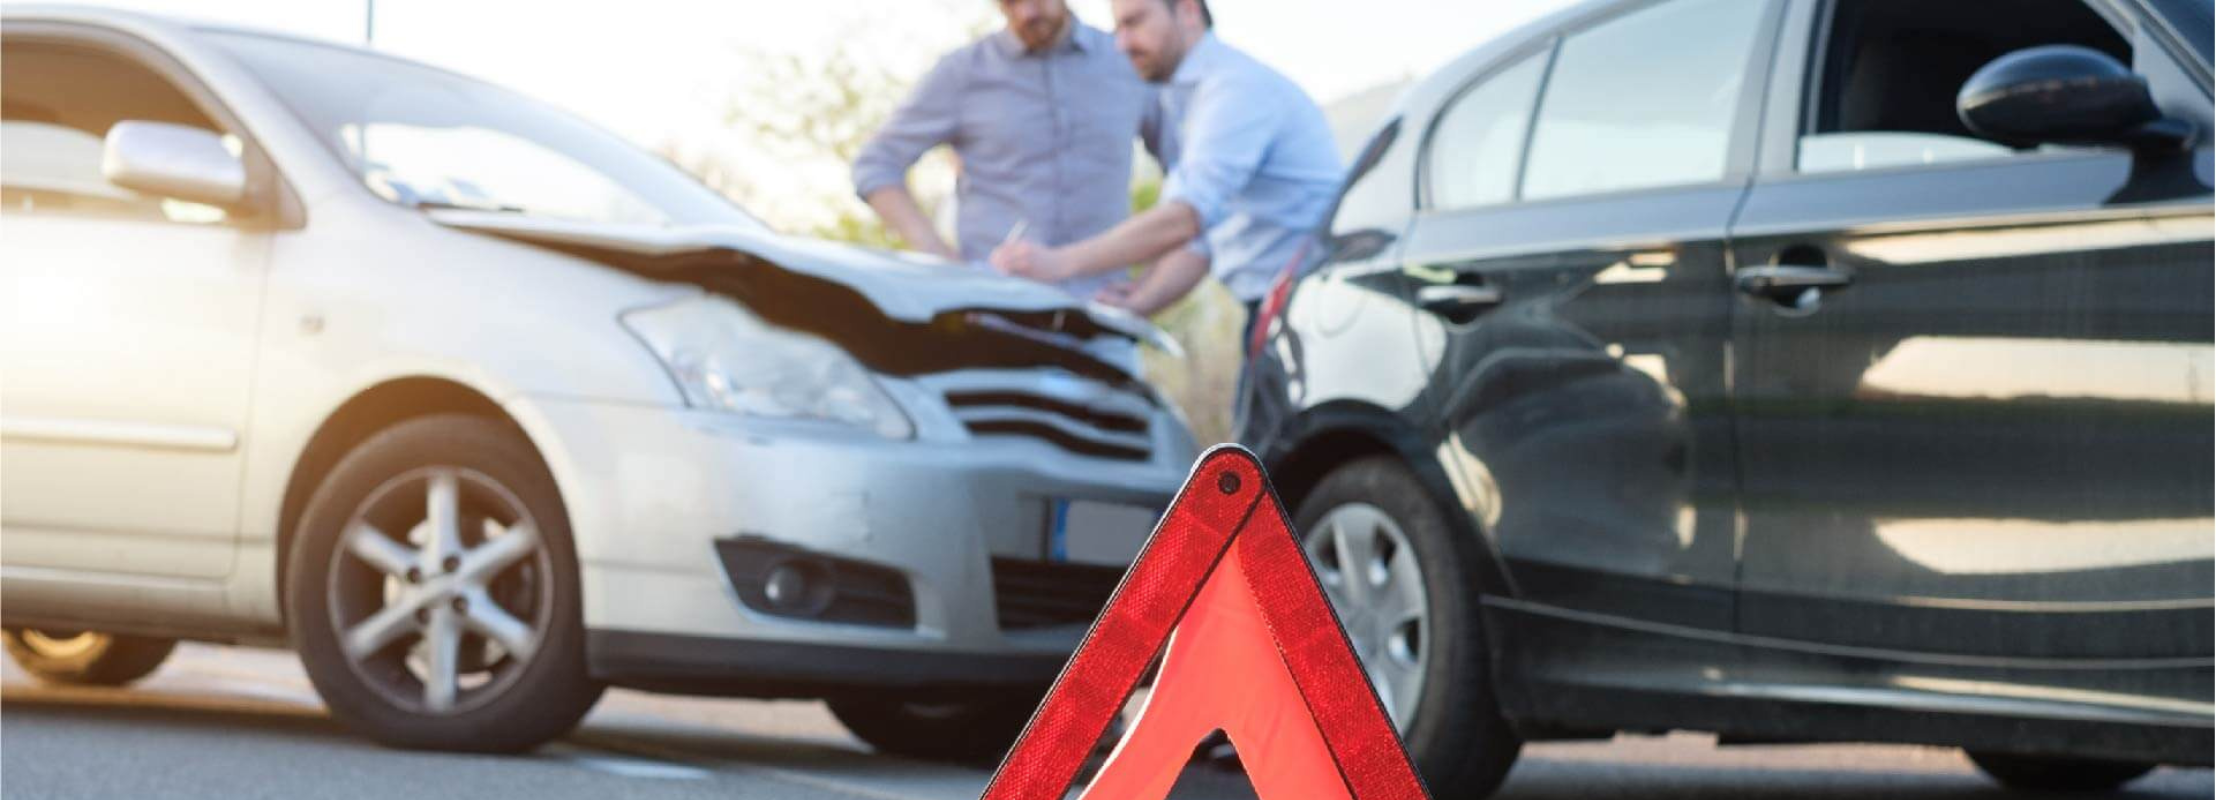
[{"x": 816, "y": 110}]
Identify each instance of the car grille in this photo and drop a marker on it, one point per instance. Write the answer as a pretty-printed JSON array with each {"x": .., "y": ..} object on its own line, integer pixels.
[
  {"x": 1040, "y": 594},
  {"x": 1083, "y": 429}
]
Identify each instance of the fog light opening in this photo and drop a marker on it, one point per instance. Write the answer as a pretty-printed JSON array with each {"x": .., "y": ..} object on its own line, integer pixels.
[{"x": 798, "y": 587}]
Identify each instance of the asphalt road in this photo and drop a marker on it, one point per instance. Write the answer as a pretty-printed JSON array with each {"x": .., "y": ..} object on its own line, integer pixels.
[{"x": 238, "y": 723}]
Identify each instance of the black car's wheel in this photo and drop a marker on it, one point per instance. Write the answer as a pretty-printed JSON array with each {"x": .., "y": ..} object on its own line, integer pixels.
[
  {"x": 85, "y": 658},
  {"x": 1403, "y": 586},
  {"x": 432, "y": 591},
  {"x": 2057, "y": 774},
  {"x": 968, "y": 732}
]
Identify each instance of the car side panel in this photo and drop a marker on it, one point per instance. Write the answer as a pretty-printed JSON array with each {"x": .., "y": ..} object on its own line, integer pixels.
[
  {"x": 1992, "y": 448},
  {"x": 370, "y": 294}
]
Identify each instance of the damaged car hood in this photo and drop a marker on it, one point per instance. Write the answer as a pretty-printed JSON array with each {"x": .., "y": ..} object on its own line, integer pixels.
[{"x": 904, "y": 287}]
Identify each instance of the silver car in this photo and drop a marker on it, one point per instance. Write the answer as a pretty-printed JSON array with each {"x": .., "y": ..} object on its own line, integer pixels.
[{"x": 481, "y": 409}]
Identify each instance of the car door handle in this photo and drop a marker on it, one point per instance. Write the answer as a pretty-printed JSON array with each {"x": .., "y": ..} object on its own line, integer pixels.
[
  {"x": 1459, "y": 302},
  {"x": 1795, "y": 289},
  {"x": 1782, "y": 279}
]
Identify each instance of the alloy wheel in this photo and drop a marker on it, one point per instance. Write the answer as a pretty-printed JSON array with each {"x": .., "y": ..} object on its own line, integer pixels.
[
  {"x": 60, "y": 644},
  {"x": 441, "y": 589},
  {"x": 1369, "y": 570}
]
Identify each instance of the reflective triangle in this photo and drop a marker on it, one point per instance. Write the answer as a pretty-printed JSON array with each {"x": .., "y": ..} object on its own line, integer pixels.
[{"x": 1258, "y": 654}]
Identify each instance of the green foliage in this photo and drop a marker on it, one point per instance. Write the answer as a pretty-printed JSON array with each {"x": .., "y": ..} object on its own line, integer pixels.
[
  {"x": 862, "y": 228},
  {"x": 1145, "y": 193}
]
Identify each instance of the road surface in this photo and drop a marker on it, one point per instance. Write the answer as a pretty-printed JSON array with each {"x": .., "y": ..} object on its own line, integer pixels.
[{"x": 221, "y": 722}]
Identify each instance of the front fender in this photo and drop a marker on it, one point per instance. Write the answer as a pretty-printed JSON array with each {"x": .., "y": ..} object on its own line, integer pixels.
[{"x": 1309, "y": 445}]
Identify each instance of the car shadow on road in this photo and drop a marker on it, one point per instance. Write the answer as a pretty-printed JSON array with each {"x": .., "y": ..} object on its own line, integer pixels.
[
  {"x": 1585, "y": 779},
  {"x": 802, "y": 760},
  {"x": 155, "y": 708}
]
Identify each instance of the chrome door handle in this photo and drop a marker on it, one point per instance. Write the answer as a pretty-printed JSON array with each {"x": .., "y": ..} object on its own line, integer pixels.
[
  {"x": 1459, "y": 302},
  {"x": 1795, "y": 290},
  {"x": 1772, "y": 281}
]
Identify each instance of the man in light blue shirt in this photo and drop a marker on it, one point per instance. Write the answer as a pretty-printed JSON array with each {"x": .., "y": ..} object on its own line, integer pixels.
[
  {"x": 1252, "y": 169},
  {"x": 1042, "y": 115}
]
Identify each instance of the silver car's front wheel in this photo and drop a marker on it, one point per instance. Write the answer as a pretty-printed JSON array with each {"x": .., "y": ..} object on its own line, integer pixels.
[
  {"x": 1368, "y": 568},
  {"x": 439, "y": 589},
  {"x": 433, "y": 590}
]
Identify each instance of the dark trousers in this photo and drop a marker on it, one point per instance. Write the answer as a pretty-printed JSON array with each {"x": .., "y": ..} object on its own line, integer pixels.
[
  {"x": 1246, "y": 337},
  {"x": 1246, "y": 360}
]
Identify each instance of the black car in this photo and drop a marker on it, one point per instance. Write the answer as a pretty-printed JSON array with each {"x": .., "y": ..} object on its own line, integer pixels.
[{"x": 1791, "y": 370}]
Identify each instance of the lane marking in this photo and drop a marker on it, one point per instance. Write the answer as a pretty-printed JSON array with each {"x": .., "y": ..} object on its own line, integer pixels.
[
  {"x": 913, "y": 787},
  {"x": 626, "y": 766}
]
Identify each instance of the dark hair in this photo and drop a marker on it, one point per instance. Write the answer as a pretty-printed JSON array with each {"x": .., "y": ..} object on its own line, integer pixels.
[{"x": 1207, "y": 20}]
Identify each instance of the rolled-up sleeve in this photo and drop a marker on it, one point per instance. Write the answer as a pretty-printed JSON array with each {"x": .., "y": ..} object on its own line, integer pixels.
[
  {"x": 929, "y": 117},
  {"x": 1223, "y": 145}
]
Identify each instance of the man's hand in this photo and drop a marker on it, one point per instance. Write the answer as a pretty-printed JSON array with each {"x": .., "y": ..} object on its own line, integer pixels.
[
  {"x": 1115, "y": 295},
  {"x": 1160, "y": 285},
  {"x": 1140, "y": 239},
  {"x": 1026, "y": 260}
]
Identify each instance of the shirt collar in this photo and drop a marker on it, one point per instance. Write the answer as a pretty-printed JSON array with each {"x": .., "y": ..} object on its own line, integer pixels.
[
  {"x": 1198, "y": 61},
  {"x": 1074, "y": 37}
]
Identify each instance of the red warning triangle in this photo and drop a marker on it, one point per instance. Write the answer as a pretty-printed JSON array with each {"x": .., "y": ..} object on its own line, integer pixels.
[{"x": 1257, "y": 653}]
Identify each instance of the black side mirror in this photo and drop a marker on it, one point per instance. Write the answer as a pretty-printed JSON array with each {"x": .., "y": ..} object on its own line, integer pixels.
[{"x": 2065, "y": 94}]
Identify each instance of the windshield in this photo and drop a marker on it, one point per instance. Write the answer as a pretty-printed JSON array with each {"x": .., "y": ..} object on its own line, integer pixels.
[{"x": 424, "y": 137}]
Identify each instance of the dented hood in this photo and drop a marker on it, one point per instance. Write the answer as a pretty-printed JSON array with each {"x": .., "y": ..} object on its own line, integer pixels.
[{"x": 905, "y": 287}]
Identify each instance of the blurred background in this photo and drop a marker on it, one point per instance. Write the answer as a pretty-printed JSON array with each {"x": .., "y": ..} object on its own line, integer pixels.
[{"x": 768, "y": 102}]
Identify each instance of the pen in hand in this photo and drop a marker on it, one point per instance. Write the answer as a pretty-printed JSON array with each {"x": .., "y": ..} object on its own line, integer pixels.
[{"x": 1014, "y": 236}]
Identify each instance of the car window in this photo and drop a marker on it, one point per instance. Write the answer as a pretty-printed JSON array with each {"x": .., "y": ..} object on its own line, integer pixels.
[
  {"x": 1480, "y": 138},
  {"x": 1890, "y": 71},
  {"x": 56, "y": 106},
  {"x": 1642, "y": 100},
  {"x": 2194, "y": 21}
]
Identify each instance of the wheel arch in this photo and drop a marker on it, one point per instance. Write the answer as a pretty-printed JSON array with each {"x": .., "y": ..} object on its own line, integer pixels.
[
  {"x": 365, "y": 414},
  {"x": 1322, "y": 438}
]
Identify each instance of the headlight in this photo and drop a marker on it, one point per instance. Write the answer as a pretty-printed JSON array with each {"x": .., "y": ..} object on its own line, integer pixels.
[{"x": 727, "y": 359}]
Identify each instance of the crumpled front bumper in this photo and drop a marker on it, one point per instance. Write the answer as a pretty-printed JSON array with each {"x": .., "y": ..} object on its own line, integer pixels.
[{"x": 652, "y": 490}]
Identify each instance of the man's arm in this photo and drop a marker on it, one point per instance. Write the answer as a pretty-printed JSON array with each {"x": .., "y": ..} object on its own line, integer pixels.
[
  {"x": 1164, "y": 283},
  {"x": 1136, "y": 240},
  {"x": 929, "y": 117},
  {"x": 897, "y": 207},
  {"x": 1150, "y": 235}
]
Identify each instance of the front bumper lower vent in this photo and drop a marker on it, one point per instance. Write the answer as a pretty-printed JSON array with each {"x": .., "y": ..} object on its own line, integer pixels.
[{"x": 1040, "y": 594}]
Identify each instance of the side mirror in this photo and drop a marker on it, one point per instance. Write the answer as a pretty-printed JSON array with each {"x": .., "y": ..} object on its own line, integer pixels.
[
  {"x": 173, "y": 161},
  {"x": 2065, "y": 94}
]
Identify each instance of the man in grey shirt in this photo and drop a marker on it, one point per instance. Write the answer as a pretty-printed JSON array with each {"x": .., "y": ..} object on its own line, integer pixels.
[{"x": 1042, "y": 115}]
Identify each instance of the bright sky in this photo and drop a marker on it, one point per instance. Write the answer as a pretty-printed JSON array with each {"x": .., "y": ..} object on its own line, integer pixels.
[{"x": 660, "y": 71}]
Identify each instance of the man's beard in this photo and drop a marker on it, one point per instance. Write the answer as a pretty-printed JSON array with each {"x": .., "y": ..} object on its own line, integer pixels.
[
  {"x": 1156, "y": 67},
  {"x": 1039, "y": 35}
]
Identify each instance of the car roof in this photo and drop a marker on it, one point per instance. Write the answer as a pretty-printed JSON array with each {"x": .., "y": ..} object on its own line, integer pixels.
[
  {"x": 98, "y": 15},
  {"x": 186, "y": 28},
  {"x": 177, "y": 24}
]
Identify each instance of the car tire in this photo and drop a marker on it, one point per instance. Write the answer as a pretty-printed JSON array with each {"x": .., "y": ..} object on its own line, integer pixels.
[
  {"x": 85, "y": 658},
  {"x": 976, "y": 732},
  {"x": 385, "y": 609},
  {"x": 2051, "y": 774},
  {"x": 1455, "y": 733}
]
